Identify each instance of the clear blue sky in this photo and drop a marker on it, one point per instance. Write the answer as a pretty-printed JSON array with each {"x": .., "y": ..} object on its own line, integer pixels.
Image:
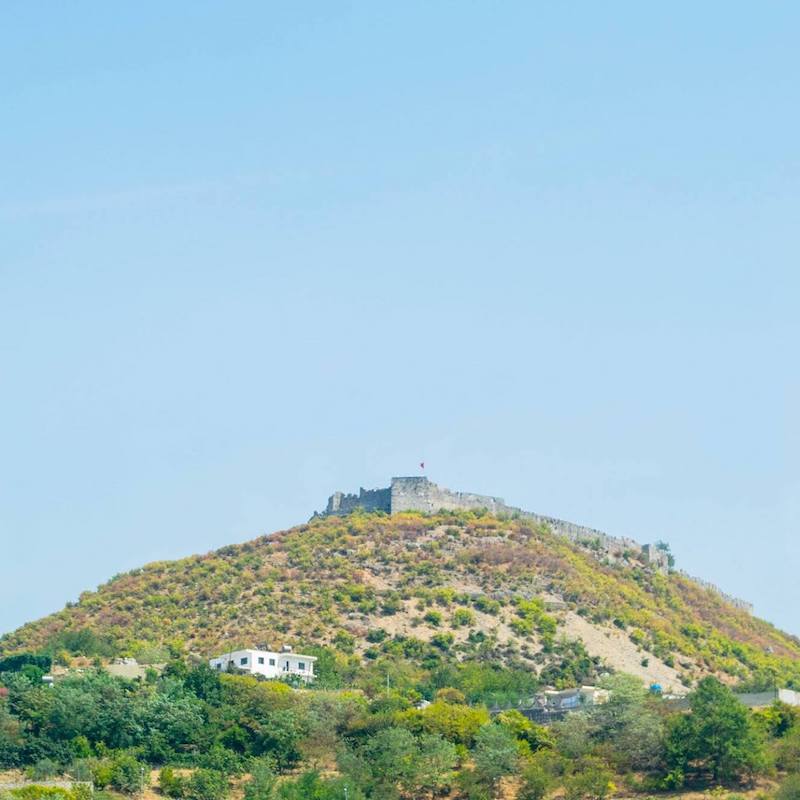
[{"x": 254, "y": 252}]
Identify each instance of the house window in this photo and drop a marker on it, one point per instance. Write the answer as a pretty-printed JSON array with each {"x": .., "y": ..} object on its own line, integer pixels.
[
  {"x": 218, "y": 665},
  {"x": 286, "y": 667},
  {"x": 272, "y": 662},
  {"x": 261, "y": 659},
  {"x": 301, "y": 665},
  {"x": 243, "y": 661}
]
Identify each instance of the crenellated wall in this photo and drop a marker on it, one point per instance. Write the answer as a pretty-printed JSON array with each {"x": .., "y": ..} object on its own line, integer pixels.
[
  {"x": 712, "y": 587},
  {"x": 366, "y": 499},
  {"x": 420, "y": 494}
]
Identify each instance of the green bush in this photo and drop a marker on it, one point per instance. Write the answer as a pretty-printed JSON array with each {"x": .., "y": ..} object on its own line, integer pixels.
[
  {"x": 789, "y": 789},
  {"x": 44, "y": 769},
  {"x": 206, "y": 784},
  {"x": 496, "y": 753},
  {"x": 462, "y": 618},
  {"x": 312, "y": 786},
  {"x": 344, "y": 641},
  {"x": 486, "y": 604},
  {"x": 129, "y": 775},
  {"x": 591, "y": 781},
  {"x": 262, "y": 780},
  {"x": 433, "y": 618},
  {"x": 535, "y": 782}
]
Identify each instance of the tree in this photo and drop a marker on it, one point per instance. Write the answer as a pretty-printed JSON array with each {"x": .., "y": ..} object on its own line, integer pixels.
[
  {"x": 204, "y": 683},
  {"x": 535, "y": 736},
  {"x": 778, "y": 719},
  {"x": 788, "y": 751},
  {"x": 171, "y": 785},
  {"x": 456, "y": 723},
  {"x": 630, "y": 724},
  {"x": 536, "y": 782},
  {"x": 10, "y": 739},
  {"x": 206, "y": 784},
  {"x": 392, "y": 757},
  {"x": 128, "y": 775},
  {"x": 495, "y": 753},
  {"x": 281, "y": 736},
  {"x": 167, "y": 721},
  {"x": 436, "y": 761},
  {"x": 590, "y": 781},
  {"x": 393, "y": 762},
  {"x": 573, "y": 735},
  {"x": 718, "y": 737},
  {"x": 311, "y": 786},
  {"x": 261, "y": 785}
]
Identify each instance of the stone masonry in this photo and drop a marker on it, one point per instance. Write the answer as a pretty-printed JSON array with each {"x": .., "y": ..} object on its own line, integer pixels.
[{"x": 421, "y": 494}]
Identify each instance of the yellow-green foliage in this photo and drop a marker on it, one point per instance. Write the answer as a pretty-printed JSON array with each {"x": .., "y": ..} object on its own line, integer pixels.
[
  {"x": 458, "y": 723},
  {"x": 78, "y": 792},
  {"x": 332, "y": 580}
]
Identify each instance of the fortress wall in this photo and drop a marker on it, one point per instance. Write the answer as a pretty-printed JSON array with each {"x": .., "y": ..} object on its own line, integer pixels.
[
  {"x": 420, "y": 494},
  {"x": 366, "y": 499},
  {"x": 712, "y": 587},
  {"x": 610, "y": 545}
]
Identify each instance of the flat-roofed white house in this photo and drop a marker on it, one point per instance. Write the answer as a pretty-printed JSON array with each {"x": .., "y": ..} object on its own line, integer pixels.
[{"x": 268, "y": 663}]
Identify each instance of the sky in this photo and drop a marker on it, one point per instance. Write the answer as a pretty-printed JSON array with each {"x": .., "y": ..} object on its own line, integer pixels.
[{"x": 251, "y": 253}]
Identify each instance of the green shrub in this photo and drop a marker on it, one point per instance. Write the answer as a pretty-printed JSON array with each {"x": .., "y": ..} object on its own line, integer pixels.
[
  {"x": 170, "y": 784},
  {"x": 486, "y": 604},
  {"x": 496, "y": 753},
  {"x": 591, "y": 781},
  {"x": 443, "y": 641},
  {"x": 462, "y": 618},
  {"x": 344, "y": 641},
  {"x": 41, "y": 793},
  {"x": 206, "y": 784},
  {"x": 262, "y": 781},
  {"x": 433, "y": 618},
  {"x": 789, "y": 789},
  {"x": 535, "y": 782},
  {"x": 129, "y": 775},
  {"x": 44, "y": 769},
  {"x": 312, "y": 786}
]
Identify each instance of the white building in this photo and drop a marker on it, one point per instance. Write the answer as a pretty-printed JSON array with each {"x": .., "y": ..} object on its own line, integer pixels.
[{"x": 267, "y": 663}]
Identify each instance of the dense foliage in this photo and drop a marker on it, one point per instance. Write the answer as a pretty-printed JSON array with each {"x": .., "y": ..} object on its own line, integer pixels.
[{"x": 207, "y": 732}]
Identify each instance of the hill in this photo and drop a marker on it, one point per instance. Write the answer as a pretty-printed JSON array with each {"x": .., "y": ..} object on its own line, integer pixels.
[{"x": 443, "y": 586}]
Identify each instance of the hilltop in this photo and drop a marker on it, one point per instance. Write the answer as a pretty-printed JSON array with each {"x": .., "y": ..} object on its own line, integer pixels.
[{"x": 428, "y": 587}]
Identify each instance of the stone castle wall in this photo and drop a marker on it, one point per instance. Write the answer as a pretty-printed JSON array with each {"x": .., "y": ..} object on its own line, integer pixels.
[
  {"x": 712, "y": 587},
  {"x": 366, "y": 499},
  {"x": 421, "y": 494}
]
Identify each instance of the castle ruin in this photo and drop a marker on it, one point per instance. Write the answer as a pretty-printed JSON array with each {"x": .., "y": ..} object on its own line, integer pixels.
[{"x": 421, "y": 494}]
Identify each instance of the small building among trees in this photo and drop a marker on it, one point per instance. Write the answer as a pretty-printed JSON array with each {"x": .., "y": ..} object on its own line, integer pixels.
[{"x": 269, "y": 663}]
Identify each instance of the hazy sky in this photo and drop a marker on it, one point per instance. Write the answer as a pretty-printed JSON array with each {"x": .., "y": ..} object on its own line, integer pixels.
[{"x": 254, "y": 252}]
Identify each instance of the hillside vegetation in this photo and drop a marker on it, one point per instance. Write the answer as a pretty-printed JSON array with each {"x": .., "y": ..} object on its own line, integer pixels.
[{"x": 429, "y": 590}]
